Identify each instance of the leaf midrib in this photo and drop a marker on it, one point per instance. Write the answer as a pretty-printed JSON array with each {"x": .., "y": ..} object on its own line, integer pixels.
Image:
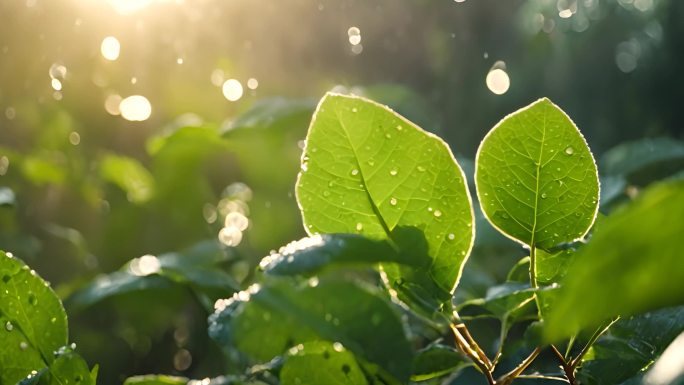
[
  {"x": 538, "y": 170},
  {"x": 374, "y": 207}
]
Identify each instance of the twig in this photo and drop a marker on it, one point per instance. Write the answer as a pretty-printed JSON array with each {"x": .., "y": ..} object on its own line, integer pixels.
[
  {"x": 598, "y": 333},
  {"x": 543, "y": 377},
  {"x": 513, "y": 374},
  {"x": 465, "y": 347},
  {"x": 565, "y": 365}
]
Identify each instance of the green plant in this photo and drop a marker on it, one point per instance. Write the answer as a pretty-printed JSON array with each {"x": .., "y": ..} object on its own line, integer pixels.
[{"x": 377, "y": 293}]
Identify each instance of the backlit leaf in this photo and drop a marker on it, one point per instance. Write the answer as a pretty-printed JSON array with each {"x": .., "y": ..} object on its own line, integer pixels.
[
  {"x": 367, "y": 170},
  {"x": 536, "y": 178}
]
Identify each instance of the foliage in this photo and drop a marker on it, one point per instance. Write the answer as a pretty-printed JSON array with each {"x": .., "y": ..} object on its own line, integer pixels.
[{"x": 381, "y": 290}]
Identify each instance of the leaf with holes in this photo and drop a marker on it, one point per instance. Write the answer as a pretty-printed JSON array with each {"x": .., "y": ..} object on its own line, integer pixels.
[
  {"x": 368, "y": 170},
  {"x": 536, "y": 178}
]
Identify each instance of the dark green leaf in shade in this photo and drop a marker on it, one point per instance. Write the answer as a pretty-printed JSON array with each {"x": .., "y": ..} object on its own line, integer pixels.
[
  {"x": 631, "y": 264},
  {"x": 536, "y": 178},
  {"x": 644, "y": 160},
  {"x": 265, "y": 321},
  {"x": 367, "y": 170},
  {"x": 436, "y": 361},
  {"x": 631, "y": 346},
  {"x": 321, "y": 363}
]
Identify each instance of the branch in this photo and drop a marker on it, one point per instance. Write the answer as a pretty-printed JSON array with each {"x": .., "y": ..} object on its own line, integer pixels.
[
  {"x": 465, "y": 347},
  {"x": 513, "y": 374}
]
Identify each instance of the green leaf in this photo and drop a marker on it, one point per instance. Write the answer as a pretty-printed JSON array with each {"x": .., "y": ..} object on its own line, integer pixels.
[
  {"x": 264, "y": 321},
  {"x": 321, "y": 363},
  {"x": 552, "y": 266},
  {"x": 506, "y": 300},
  {"x": 536, "y": 178},
  {"x": 367, "y": 170},
  {"x": 18, "y": 358},
  {"x": 435, "y": 361},
  {"x": 69, "y": 368},
  {"x": 129, "y": 175},
  {"x": 196, "y": 267},
  {"x": 632, "y": 263},
  {"x": 631, "y": 346},
  {"x": 644, "y": 160},
  {"x": 30, "y": 307},
  {"x": 312, "y": 254}
]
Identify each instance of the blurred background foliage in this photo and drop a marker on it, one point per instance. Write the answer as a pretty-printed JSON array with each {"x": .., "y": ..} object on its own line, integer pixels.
[{"x": 86, "y": 185}]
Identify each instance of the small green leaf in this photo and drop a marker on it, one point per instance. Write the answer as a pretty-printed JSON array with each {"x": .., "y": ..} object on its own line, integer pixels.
[
  {"x": 321, "y": 363},
  {"x": 505, "y": 300},
  {"x": 30, "y": 307},
  {"x": 631, "y": 264},
  {"x": 129, "y": 175},
  {"x": 312, "y": 254},
  {"x": 435, "y": 361},
  {"x": 552, "y": 266},
  {"x": 536, "y": 178},
  {"x": 367, "y": 170},
  {"x": 265, "y": 321},
  {"x": 69, "y": 368},
  {"x": 18, "y": 357}
]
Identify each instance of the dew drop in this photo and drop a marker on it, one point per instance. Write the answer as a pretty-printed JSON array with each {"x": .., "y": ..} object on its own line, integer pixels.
[
  {"x": 326, "y": 193},
  {"x": 421, "y": 169},
  {"x": 23, "y": 345},
  {"x": 393, "y": 172},
  {"x": 388, "y": 136},
  {"x": 8, "y": 326},
  {"x": 371, "y": 163},
  {"x": 569, "y": 151},
  {"x": 451, "y": 236},
  {"x": 399, "y": 128},
  {"x": 543, "y": 196},
  {"x": 354, "y": 109},
  {"x": 437, "y": 213},
  {"x": 359, "y": 226},
  {"x": 355, "y": 172},
  {"x": 393, "y": 201}
]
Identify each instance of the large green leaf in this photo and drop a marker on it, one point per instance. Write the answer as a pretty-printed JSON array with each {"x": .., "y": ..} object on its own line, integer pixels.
[
  {"x": 633, "y": 263},
  {"x": 367, "y": 170},
  {"x": 321, "y": 363},
  {"x": 536, "y": 178},
  {"x": 644, "y": 160},
  {"x": 309, "y": 255},
  {"x": 31, "y": 308},
  {"x": 265, "y": 321}
]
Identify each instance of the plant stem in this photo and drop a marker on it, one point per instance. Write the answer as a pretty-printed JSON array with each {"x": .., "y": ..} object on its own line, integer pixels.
[
  {"x": 464, "y": 346},
  {"x": 566, "y": 366},
  {"x": 533, "y": 267},
  {"x": 543, "y": 377},
  {"x": 598, "y": 333},
  {"x": 517, "y": 371}
]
